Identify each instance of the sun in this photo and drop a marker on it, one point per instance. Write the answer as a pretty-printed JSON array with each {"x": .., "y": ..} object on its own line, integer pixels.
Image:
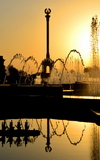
[{"x": 83, "y": 44}]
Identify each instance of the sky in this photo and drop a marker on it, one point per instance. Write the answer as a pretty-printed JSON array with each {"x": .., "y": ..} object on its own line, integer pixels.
[{"x": 23, "y": 28}]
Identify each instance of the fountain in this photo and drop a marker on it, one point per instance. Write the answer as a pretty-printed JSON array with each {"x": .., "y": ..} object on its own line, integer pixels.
[
  {"x": 59, "y": 83},
  {"x": 40, "y": 86},
  {"x": 16, "y": 56},
  {"x": 51, "y": 78},
  {"x": 67, "y": 68},
  {"x": 25, "y": 63}
]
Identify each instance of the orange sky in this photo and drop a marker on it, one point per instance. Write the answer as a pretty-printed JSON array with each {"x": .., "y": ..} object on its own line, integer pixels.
[{"x": 23, "y": 27}]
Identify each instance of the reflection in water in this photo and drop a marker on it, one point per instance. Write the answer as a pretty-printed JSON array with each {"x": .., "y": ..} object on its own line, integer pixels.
[
  {"x": 50, "y": 135},
  {"x": 54, "y": 132},
  {"x": 63, "y": 139},
  {"x": 81, "y": 97},
  {"x": 95, "y": 147},
  {"x": 8, "y": 134},
  {"x": 80, "y": 139}
]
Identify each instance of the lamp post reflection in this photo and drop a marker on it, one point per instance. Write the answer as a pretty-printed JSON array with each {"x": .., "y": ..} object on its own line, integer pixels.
[
  {"x": 49, "y": 134},
  {"x": 48, "y": 147}
]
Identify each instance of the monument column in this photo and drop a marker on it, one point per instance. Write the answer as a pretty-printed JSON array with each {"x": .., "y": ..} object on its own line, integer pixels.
[
  {"x": 47, "y": 63},
  {"x": 47, "y": 12}
]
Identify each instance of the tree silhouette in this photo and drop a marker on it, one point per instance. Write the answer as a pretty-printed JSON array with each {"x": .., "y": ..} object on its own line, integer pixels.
[
  {"x": 13, "y": 75},
  {"x": 2, "y": 69}
]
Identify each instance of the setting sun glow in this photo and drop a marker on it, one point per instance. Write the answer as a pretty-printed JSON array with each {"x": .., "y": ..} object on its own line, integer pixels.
[
  {"x": 23, "y": 28},
  {"x": 83, "y": 43}
]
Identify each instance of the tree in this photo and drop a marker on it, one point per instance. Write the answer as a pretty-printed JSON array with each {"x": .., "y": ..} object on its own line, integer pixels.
[
  {"x": 13, "y": 75},
  {"x": 2, "y": 69}
]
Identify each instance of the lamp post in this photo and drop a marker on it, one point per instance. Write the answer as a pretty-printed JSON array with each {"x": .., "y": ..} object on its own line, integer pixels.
[
  {"x": 47, "y": 12},
  {"x": 47, "y": 63}
]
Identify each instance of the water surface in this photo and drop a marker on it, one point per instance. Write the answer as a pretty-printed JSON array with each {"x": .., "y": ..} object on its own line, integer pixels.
[{"x": 60, "y": 140}]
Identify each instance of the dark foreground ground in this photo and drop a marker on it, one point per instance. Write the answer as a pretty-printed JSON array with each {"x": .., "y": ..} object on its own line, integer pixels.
[{"x": 12, "y": 107}]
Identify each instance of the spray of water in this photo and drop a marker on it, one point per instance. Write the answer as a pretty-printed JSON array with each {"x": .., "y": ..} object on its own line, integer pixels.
[
  {"x": 65, "y": 63},
  {"x": 16, "y": 56}
]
